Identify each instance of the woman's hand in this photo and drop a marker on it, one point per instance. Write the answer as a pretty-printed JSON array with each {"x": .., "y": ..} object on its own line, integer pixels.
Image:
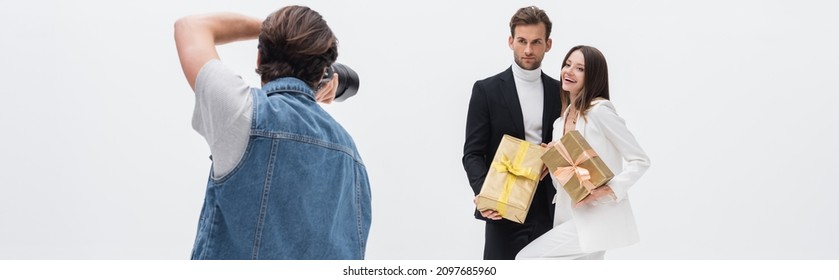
[{"x": 602, "y": 194}]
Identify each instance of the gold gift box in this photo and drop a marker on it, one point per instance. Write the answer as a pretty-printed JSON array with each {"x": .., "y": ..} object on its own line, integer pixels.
[
  {"x": 583, "y": 160},
  {"x": 512, "y": 179}
]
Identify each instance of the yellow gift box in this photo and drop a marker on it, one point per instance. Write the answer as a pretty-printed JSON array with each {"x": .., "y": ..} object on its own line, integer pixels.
[
  {"x": 576, "y": 166},
  {"x": 512, "y": 178}
]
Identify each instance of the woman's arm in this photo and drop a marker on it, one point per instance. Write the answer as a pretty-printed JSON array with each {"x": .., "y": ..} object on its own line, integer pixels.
[{"x": 615, "y": 130}]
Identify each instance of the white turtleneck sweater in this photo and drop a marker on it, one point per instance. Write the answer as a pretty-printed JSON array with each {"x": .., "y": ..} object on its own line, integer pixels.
[{"x": 532, "y": 98}]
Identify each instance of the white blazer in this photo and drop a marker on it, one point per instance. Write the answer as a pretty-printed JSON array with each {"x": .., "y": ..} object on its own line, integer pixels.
[{"x": 602, "y": 226}]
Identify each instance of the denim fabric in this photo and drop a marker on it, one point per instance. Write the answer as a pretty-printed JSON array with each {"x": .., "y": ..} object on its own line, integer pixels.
[{"x": 301, "y": 190}]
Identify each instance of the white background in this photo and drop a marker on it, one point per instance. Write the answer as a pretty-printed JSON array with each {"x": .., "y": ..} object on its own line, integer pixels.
[{"x": 732, "y": 100}]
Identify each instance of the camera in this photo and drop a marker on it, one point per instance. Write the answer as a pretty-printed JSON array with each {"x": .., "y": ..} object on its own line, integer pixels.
[{"x": 347, "y": 80}]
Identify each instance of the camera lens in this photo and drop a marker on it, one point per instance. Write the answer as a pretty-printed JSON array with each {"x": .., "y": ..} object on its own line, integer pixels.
[{"x": 347, "y": 81}]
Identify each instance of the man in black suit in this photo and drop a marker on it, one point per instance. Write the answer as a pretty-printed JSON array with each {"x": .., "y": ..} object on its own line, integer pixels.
[{"x": 522, "y": 102}]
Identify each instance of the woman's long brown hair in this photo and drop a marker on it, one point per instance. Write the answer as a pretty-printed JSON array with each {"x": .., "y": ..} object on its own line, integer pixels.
[{"x": 596, "y": 80}]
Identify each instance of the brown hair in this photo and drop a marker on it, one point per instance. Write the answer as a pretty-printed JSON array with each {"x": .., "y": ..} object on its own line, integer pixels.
[
  {"x": 295, "y": 41},
  {"x": 528, "y": 16},
  {"x": 596, "y": 81}
]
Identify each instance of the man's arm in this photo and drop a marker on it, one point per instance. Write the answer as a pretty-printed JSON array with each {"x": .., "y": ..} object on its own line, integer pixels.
[
  {"x": 196, "y": 38},
  {"x": 477, "y": 138},
  {"x": 475, "y": 149}
]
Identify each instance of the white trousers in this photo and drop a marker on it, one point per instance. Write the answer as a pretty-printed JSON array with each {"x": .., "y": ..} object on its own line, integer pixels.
[{"x": 560, "y": 243}]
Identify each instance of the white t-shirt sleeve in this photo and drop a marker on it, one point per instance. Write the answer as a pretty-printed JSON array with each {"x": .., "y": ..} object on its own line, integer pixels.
[{"x": 222, "y": 114}]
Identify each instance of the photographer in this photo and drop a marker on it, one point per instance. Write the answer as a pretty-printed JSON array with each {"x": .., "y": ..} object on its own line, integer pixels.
[{"x": 287, "y": 181}]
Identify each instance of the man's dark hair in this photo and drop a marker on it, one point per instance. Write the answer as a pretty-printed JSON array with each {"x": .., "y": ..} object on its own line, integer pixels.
[
  {"x": 295, "y": 41},
  {"x": 530, "y": 16}
]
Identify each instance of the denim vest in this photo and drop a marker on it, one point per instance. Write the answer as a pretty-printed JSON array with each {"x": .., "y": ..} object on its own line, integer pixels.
[{"x": 300, "y": 190}]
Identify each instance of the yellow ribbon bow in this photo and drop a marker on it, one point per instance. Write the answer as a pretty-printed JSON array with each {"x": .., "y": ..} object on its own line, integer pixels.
[{"x": 513, "y": 169}]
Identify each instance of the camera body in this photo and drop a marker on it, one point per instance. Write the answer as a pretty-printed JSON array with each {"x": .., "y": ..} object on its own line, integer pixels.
[{"x": 347, "y": 80}]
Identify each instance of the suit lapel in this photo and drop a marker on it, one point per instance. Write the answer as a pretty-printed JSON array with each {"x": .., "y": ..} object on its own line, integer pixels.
[
  {"x": 582, "y": 124},
  {"x": 511, "y": 97},
  {"x": 552, "y": 101}
]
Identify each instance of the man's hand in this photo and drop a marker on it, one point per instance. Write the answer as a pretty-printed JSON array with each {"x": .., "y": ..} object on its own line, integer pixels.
[
  {"x": 326, "y": 93},
  {"x": 602, "y": 194},
  {"x": 489, "y": 214},
  {"x": 545, "y": 170},
  {"x": 196, "y": 38}
]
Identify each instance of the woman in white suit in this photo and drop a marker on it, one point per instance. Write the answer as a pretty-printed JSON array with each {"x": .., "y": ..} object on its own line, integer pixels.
[{"x": 604, "y": 219}]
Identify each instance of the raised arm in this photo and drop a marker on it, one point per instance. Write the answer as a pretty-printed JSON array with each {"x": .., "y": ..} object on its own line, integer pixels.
[{"x": 196, "y": 38}]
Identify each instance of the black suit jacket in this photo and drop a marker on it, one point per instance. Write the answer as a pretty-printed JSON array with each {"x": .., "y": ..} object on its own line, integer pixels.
[{"x": 495, "y": 110}]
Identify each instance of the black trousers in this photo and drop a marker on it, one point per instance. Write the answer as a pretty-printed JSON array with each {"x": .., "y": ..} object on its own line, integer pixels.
[{"x": 504, "y": 239}]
